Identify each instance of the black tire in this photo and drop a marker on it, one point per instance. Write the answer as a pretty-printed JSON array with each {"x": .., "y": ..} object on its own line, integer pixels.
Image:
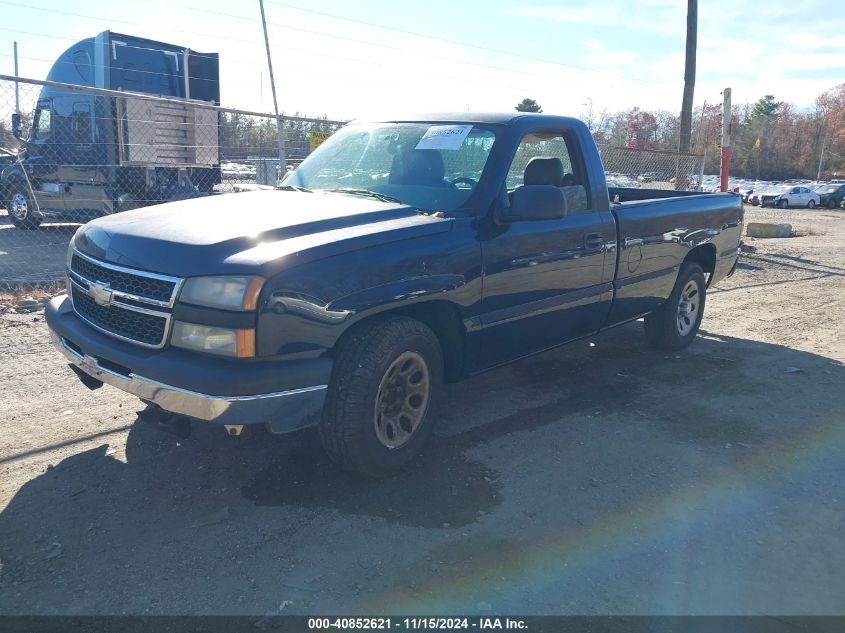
[
  {"x": 783, "y": 204},
  {"x": 831, "y": 204},
  {"x": 19, "y": 205},
  {"x": 664, "y": 328},
  {"x": 352, "y": 431},
  {"x": 811, "y": 204}
]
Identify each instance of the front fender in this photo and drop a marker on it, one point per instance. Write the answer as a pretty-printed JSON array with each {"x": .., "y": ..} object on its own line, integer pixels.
[
  {"x": 296, "y": 325},
  {"x": 397, "y": 293},
  {"x": 306, "y": 308}
]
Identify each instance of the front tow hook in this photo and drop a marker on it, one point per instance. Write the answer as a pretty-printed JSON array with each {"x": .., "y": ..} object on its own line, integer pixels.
[{"x": 173, "y": 423}]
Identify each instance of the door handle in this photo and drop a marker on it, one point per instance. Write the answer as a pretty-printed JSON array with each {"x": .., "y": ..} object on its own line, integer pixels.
[
  {"x": 633, "y": 241},
  {"x": 594, "y": 240}
]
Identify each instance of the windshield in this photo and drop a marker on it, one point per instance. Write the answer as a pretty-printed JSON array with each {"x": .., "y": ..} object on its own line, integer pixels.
[
  {"x": 827, "y": 188},
  {"x": 430, "y": 166}
]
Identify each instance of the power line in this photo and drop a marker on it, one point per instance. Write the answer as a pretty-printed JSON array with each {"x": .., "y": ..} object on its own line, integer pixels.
[
  {"x": 180, "y": 31},
  {"x": 462, "y": 79},
  {"x": 252, "y": 42},
  {"x": 459, "y": 43},
  {"x": 293, "y": 69},
  {"x": 345, "y": 38}
]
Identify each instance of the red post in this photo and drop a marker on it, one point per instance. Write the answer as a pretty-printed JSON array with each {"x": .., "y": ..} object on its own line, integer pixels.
[{"x": 725, "y": 166}]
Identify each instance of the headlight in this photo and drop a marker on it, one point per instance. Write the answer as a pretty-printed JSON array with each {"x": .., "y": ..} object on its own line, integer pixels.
[
  {"x": 214, "y": 340},
  {"x": 230, "y": 292}
]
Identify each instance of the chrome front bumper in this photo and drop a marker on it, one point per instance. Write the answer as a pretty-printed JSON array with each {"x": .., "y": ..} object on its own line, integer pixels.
[{"x": 283, "y": 411}]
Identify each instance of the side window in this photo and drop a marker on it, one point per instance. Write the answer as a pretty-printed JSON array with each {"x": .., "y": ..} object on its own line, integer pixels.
[
  {"x": 794, "y": 190},
  {"x": 80, "y": 123},
  {"x": 558, "y": 164},
  {"x": 43, "y": 120}
]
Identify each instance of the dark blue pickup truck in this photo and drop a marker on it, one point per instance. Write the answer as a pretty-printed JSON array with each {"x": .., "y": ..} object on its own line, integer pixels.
[{"x": 399, "y": 255}]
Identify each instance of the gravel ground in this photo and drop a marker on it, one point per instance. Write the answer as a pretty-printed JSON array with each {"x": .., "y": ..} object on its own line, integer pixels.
[
  {"x": 600, "y": 478},
  {"x": 32, "y": 257}
]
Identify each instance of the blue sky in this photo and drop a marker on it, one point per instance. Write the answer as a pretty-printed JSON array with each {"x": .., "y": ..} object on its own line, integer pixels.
[{"x": 465, "y": 54}]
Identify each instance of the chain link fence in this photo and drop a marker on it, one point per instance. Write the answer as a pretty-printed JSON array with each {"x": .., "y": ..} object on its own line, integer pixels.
[
  {"x": 75, "y": 153},
  {"x": 652, "y": 169}
]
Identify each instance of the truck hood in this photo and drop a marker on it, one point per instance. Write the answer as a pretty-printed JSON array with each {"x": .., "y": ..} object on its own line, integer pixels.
[{"x": 258, "y": 232}]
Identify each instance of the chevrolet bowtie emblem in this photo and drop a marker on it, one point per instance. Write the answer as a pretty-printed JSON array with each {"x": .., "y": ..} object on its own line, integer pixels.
[{"x": 101, "y": 293}]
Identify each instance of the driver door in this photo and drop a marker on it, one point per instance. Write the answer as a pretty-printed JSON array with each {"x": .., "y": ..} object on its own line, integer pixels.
[{"x": 546, "y": 282}]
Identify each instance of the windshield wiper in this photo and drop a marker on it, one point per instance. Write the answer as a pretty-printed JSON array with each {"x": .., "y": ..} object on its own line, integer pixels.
[
  {"x": 366, "y": 192},
  {"x": 293, "y": 188}
]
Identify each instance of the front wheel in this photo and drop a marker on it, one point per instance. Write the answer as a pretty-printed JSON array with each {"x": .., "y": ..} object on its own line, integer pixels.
[
  {"x": 811, "y": 204},
  {"x": 783, "y": 204},
  {"x": 21, "y": 208},
  {"x": 377, "y": 414},
  {"x": 676, "y": 323},
  {"x": 831, "y": 204}
]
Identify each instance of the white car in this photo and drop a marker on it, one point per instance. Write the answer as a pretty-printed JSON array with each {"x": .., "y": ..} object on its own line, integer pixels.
[{"x": 797, "y": 196}]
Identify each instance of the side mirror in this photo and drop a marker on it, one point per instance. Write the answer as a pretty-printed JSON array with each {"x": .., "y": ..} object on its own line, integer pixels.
[
  {"x": 17, "y": 127},
  {"x": 535, "y": 202}
]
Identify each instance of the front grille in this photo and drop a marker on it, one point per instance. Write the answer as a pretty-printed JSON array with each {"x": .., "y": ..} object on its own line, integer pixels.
[
  {"x": 137, "y": 284},
  {"x": 147, "y": 329},
  {"x": 130, "y": 304}
]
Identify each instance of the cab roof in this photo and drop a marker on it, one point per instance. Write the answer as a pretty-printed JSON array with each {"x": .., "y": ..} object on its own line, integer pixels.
[{"x": 495, "y": 118}]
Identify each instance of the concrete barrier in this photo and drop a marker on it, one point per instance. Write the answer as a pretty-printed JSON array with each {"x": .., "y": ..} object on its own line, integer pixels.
[{"x": 767, "y": 230}]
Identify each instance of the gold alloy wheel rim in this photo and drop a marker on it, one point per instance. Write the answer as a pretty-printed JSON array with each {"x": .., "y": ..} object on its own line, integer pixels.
[{"x": 402, "y": 400}]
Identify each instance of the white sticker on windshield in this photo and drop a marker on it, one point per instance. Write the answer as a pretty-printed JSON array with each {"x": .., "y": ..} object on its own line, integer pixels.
[{"x": 444, "y": 137}]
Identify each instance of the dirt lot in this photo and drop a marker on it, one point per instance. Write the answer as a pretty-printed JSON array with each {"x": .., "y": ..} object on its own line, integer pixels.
[{"x": 599, "y": 478}]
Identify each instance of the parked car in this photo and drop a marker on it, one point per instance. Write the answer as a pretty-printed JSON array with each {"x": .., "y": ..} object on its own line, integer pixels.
[
  {"x": 398, "y": 255},
  {"x": 620, "y": 180},
  {"x": 831, "y": 195},
  {"x": 785, "y": 197},
  {"x": 650, "y": 176},
  {"x": 753, "y": 198}
]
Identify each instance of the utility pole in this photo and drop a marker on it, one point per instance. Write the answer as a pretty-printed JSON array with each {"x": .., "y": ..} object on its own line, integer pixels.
[
  {"x": 689, "y": 86},
  {"x": 279, "y": 122},
  {"x": 17, "y": 90},
  {"x": 725, "y": 167},
  {"x": 821, "y": 160}
]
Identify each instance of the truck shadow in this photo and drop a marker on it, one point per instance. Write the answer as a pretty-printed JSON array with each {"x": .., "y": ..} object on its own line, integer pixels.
[{"x": 92, "y": 511}]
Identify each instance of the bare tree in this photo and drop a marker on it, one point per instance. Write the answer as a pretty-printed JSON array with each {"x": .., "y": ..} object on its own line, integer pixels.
[{"x": 689, "y": 83}]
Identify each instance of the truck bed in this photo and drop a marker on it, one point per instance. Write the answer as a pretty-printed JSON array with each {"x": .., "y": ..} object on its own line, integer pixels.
[{"x": 656, "y": 229}]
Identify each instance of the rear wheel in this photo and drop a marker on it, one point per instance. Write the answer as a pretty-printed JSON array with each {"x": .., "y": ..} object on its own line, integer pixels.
[
  {"x": 377, "y": 414},
  {"x": 676, "y": 323},
  {"x": 811, "y": 204},
  {"x": 21, "y": 207}
]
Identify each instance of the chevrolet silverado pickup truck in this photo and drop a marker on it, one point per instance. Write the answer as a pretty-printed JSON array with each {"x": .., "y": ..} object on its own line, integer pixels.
[{"x": 397, "y": 256}]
